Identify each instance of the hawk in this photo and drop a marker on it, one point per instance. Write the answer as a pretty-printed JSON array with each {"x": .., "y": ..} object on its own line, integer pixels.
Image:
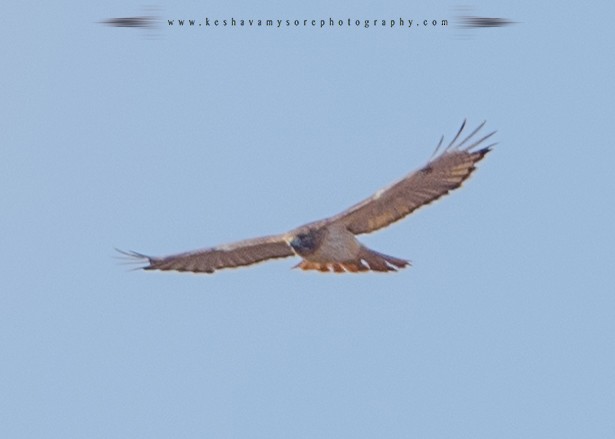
[{"x": 330, "y": 245}]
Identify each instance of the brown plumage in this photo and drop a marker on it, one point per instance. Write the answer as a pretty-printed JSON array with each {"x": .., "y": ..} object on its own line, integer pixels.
[{"x": 330, "y": 245}]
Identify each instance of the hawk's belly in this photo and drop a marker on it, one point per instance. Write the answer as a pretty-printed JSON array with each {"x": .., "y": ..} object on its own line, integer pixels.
[{"x": 339, "y": 245}]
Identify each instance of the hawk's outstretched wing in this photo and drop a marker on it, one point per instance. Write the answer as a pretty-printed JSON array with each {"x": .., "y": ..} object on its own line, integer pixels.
[
  {"x": 208, "y": 260},
  {"x": 442, "y": 174}
]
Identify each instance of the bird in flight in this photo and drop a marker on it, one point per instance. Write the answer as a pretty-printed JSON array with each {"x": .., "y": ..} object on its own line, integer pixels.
[{"x": 330, "y": 245}]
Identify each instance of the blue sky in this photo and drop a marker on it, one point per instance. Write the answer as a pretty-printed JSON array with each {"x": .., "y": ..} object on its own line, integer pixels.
[{"x": 175, "y": 139}]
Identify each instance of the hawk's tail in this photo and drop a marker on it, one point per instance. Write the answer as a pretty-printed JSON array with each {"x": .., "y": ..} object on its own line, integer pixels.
[
  {"x": 380, "y": 262},
  {"x": 368, "y": 260}
]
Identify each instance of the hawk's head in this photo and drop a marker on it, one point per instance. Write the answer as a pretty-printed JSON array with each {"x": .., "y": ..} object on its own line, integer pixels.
[{"x": 305, "y": 242}]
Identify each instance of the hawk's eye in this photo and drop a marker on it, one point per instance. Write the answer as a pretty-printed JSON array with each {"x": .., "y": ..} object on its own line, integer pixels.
[{"x": 304, "y": 240}]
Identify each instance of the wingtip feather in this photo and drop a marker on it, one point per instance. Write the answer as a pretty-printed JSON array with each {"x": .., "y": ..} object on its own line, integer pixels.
[{"x": 133, "y": 257}]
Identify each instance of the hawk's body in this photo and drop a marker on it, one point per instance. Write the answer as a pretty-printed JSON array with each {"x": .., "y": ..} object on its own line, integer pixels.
[
  {"x": 337, "y": 249},
  {"x": 330, "y": 244}
]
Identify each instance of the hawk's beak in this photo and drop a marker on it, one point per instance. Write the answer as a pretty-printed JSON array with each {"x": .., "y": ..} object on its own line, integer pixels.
[{"x": 294, "y": 242}]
